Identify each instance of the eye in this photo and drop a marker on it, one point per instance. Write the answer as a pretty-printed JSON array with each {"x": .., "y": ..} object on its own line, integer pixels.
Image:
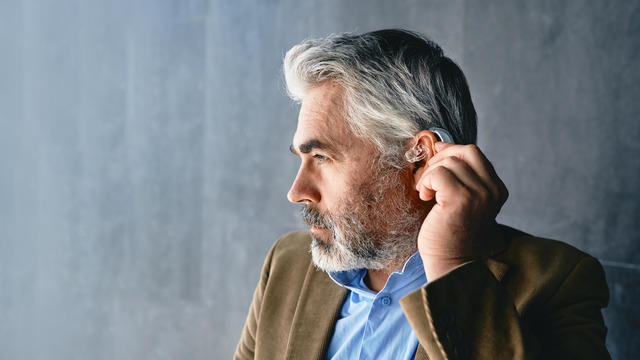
[{"x": 320, "y": 157}]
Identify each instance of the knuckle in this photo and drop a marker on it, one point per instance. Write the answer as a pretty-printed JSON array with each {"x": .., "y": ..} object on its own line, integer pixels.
[
  {"x": 466, "y": 195},
  {"x": 451, "y": 161},
  {"x": 472, "y": 148},
  {"x": 485, "y": 194},
  {"x": 504, "y": 195},
  {"x": 440, "y": 171},
  {"x": 481, "y": 199},
  {"x": 494, "y": 192}
]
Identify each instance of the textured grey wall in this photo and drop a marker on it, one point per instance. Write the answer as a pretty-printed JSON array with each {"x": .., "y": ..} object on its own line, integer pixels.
[{"x": 144, "y": 160}]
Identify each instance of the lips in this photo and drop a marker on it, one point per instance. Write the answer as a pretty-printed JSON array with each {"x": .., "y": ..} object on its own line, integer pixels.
[
  {"x": 314, "y": 219},
  {"x": 316, "y": 228}
]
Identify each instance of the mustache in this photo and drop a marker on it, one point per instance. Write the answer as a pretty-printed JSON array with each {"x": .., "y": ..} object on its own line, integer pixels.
[{"x": 312, "y": 217}]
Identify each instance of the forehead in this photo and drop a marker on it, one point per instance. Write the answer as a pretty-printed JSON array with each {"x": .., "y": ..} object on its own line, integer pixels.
[{"x": 322, "y": 117}]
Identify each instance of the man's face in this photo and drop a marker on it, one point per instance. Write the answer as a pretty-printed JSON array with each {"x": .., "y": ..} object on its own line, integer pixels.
[{"x": 362, "y": 215}]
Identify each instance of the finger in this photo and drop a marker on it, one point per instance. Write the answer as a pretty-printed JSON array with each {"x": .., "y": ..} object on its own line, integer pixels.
[
  {"x": 441, "y": 183},
  {"x": 425, "y": 193},
  {"x": 472, "y": 155},
  {"x": 439, "y": 146},
  {"x": 469, "y": 153},
  {"x": 469, "y": 178}
]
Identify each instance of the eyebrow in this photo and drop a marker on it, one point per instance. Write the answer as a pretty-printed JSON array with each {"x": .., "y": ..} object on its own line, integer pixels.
[{"x": 308, "y": 146}]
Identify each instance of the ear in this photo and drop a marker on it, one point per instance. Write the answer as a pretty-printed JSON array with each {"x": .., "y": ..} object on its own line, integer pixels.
[{"x": 420, "y": 149}]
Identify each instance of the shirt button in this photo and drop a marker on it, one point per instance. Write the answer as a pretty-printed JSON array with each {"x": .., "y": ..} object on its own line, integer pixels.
[{"x": 385, "y": 300}]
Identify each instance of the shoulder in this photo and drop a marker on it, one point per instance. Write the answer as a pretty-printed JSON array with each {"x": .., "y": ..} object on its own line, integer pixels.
[
  {"x": 293, "y": 247},
  {"x": 285, "y": 274},
  {"x": 290, "y": 256},
  {"x": 539, "y": 268},
  {"x": 295, "y": 243},
  {"x": 537, "y": 253}
]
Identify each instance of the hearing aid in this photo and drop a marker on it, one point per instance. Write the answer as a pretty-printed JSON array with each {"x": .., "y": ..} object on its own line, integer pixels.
[
  {"x": 442, "y": 134},
  {"x": 418, "y": 152}
]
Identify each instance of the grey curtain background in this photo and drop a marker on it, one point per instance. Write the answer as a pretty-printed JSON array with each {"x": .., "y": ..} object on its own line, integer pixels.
[{"x": 144, "y": 155}]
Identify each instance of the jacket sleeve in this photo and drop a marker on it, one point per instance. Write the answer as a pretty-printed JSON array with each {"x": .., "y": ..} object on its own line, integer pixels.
[
  {"x": 246, "y": 345},
  {"x": 468, "y": 314}
]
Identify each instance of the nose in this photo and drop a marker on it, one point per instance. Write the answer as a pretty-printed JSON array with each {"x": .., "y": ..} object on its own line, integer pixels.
[{"x": 304, "y": 189}]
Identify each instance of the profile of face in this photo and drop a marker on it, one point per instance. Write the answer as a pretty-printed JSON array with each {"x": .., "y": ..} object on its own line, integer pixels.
[{"x": 362, "y": 214}]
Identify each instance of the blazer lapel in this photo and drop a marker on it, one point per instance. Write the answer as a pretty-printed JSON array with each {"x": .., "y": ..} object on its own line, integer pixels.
[
  {"x": 498, "y": 245},
  {"x": 317, "y": 311},
  {"x": 421, "y": 353},
  {"x": 498, "y": 268}
]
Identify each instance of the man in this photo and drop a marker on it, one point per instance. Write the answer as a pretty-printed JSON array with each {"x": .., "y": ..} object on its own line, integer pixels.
[{"x": 404, "y": 259}]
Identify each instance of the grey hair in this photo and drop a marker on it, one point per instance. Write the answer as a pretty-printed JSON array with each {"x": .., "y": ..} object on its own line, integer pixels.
[{"x": 396, "y": 82}]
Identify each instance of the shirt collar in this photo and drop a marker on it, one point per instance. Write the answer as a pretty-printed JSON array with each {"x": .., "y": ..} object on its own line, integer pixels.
[{"x": 353, "y": 280}]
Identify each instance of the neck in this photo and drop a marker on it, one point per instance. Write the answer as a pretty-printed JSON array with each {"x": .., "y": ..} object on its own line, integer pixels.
[{"x": 377, "y": 279}]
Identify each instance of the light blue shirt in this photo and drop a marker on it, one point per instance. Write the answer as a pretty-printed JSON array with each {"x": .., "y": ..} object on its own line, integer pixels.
[{"x": 372, "y": 325}]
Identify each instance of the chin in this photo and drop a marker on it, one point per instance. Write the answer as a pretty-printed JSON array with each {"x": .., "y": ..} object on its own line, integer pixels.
[
  {"x": 333, "y": 256},
  {"x": 327, "y": 255}
]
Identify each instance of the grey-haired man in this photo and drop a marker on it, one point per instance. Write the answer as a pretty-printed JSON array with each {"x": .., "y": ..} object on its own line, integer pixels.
[{"x": 404, "y": 258}]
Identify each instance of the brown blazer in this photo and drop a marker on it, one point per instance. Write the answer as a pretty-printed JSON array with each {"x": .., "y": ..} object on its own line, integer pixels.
[{"x": 531, "y": 298}]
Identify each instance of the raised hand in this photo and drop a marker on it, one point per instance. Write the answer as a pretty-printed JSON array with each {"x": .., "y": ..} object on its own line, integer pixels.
[{"x": 468, "y": 195}]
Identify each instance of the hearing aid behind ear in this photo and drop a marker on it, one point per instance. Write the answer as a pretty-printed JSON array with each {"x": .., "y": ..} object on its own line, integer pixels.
[
  {"x": 418, "y": 152},
  {"x": 443, "y": 134}
]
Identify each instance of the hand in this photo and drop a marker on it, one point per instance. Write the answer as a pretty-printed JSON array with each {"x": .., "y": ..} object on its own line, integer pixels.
[{"x": 468, "y": 195}]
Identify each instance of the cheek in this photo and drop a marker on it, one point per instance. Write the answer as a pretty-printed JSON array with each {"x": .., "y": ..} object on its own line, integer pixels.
[
  {"x": 364, "y": 196},
  {"x": 335, "y": 185},
  {"x": 387, "y": 190},
  {"x": 356, "y": 186}
]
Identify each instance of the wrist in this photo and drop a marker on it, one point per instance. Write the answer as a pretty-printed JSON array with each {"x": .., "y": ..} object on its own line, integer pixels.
[{"x": 435, "y": 268}]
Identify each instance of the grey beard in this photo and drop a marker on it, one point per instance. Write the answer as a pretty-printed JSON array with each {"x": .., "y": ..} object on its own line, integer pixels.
[{"x": 355, "y": 245}]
